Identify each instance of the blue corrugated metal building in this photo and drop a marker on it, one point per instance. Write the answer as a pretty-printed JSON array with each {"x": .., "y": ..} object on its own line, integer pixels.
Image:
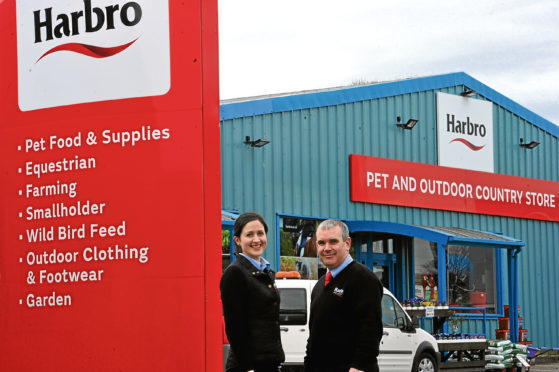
[{"x": 463, "y": 257}]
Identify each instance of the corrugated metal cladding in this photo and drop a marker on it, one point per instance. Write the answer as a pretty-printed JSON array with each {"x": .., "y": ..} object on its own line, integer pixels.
[{"x": 305, "y": 171}]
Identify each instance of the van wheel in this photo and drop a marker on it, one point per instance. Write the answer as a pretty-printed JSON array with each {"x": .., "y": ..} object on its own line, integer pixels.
[{"x": 425, "y": 363}]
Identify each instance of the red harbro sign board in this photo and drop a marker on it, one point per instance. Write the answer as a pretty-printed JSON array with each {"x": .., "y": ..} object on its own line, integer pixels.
[
  {"x": 397, "y": 182},
  {"x": 110, "y": 191}
]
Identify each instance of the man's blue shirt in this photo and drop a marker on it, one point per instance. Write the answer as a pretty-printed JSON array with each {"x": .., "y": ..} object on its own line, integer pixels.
[{"x": 342, "y": 266}]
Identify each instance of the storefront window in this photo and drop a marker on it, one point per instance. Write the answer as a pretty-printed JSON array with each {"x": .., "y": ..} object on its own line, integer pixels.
[
  {"x": 426, "y": 269},
  {"x": 471, "y": 277},
  {"x": 298, "y": 248}
]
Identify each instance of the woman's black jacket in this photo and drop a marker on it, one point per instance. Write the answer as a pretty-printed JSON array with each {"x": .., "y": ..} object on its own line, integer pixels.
[{"x": 251, "y": 310}]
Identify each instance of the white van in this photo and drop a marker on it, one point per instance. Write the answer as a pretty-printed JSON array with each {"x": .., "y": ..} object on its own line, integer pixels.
[{"x": 403, "y": 347}]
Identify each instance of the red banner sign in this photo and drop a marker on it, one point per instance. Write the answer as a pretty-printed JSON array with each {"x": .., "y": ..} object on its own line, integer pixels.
[
  {"x": 396, "y": 182},
  {"x": 110, "y": 189}
]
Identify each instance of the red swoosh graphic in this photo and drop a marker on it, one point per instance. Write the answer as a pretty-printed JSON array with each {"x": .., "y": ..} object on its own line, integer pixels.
[
  {"x": 467, "y": 143},
  {"x": 88, "y": 50}
]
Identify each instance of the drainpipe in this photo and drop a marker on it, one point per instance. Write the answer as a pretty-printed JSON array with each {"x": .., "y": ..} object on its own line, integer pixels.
[{"x": 513, "y": 292}]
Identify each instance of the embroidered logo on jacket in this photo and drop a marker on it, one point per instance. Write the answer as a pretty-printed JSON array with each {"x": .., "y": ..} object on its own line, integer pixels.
[{"x": 338, "y": 292}]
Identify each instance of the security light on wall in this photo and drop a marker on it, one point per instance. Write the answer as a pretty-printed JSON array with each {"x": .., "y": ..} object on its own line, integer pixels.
[
  {"x": 528, "y": 145},
  {"x": 468, "y": 92},
  {"x": 256, "y": 143},
  {"x": 408, "y": 125}
]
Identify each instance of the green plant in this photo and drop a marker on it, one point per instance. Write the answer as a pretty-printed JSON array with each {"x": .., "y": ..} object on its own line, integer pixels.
[{"x": 225, "y": 240}]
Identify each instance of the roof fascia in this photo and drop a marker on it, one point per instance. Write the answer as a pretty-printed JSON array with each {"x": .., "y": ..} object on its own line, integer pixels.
[
  {"x": 399, "y": 229},
  {"x": 428, "y": 234}
]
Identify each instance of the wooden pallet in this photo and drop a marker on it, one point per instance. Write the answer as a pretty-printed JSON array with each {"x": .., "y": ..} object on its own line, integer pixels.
[{"x": 474, "y": 350}]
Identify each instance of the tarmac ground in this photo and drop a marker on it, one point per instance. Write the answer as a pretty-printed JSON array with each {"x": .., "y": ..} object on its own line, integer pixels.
[
  {"x": 554, "y": 367},
  {"x": 545, "y": 367},
  {"x": 545, "y": 363}
]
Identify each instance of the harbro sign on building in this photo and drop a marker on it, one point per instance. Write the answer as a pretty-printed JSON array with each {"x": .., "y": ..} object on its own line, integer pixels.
[
  {"x": 465, "y": 132},
  {"x": 465, "y": 140},
  {"x": 110, "y": 191},
  {"x": 54, "y": 37}
]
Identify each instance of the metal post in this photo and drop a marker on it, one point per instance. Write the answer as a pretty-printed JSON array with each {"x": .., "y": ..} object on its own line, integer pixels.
[{"x": 513, "y": 293}]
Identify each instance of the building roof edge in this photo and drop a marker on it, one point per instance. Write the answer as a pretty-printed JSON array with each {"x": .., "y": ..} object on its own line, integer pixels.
[{"x": 292, "y": 102}]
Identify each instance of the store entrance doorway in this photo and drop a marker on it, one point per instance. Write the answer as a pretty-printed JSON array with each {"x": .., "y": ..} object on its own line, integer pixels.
[
  {"x": 378, "y": 252},
  {"x": 383, "y": 267}
]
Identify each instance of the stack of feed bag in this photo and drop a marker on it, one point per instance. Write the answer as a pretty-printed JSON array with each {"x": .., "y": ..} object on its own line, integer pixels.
[{"x": 502, "y": 354}]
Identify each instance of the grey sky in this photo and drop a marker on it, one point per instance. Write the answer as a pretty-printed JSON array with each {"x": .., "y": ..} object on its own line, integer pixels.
[{"x": 284, "y": 46}]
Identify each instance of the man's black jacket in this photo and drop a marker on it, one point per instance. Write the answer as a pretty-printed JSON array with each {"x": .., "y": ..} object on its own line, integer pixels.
[{"x": 345, "y": 322}]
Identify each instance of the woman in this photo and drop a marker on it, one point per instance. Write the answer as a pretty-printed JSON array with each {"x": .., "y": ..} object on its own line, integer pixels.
[{"x": 251, "y": 301}]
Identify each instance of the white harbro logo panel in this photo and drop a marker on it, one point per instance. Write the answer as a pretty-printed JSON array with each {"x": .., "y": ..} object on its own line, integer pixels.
[
  {"x": 91, "y": 50},
  {"x": 465, "y": 132}
]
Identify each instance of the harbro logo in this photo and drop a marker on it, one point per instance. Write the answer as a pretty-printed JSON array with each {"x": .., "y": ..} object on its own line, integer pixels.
[
  {"x": 91, "y": 50},
  {"x": 338, "y": 292},
  {"x": 89, "y": 19},
  {"x": 465, "y": 127},
  {"x": 465, "y": 132}
]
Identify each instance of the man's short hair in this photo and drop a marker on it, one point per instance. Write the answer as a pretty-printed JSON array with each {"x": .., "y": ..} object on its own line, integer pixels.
[{"x": 329, "y": 224}]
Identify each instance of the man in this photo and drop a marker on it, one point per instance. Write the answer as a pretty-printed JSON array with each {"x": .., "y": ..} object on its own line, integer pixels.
[{"x": 346, "y": 317}]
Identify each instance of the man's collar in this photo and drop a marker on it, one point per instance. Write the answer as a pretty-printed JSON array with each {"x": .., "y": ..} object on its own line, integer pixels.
[{"x": 341, "y": 266}]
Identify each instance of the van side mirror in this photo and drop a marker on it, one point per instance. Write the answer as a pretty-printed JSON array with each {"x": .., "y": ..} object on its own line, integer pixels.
[{"x": 414, "y": 321}]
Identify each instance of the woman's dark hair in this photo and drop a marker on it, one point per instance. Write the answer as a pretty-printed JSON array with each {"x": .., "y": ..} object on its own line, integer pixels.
[{"x": 242, "y": 220}]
